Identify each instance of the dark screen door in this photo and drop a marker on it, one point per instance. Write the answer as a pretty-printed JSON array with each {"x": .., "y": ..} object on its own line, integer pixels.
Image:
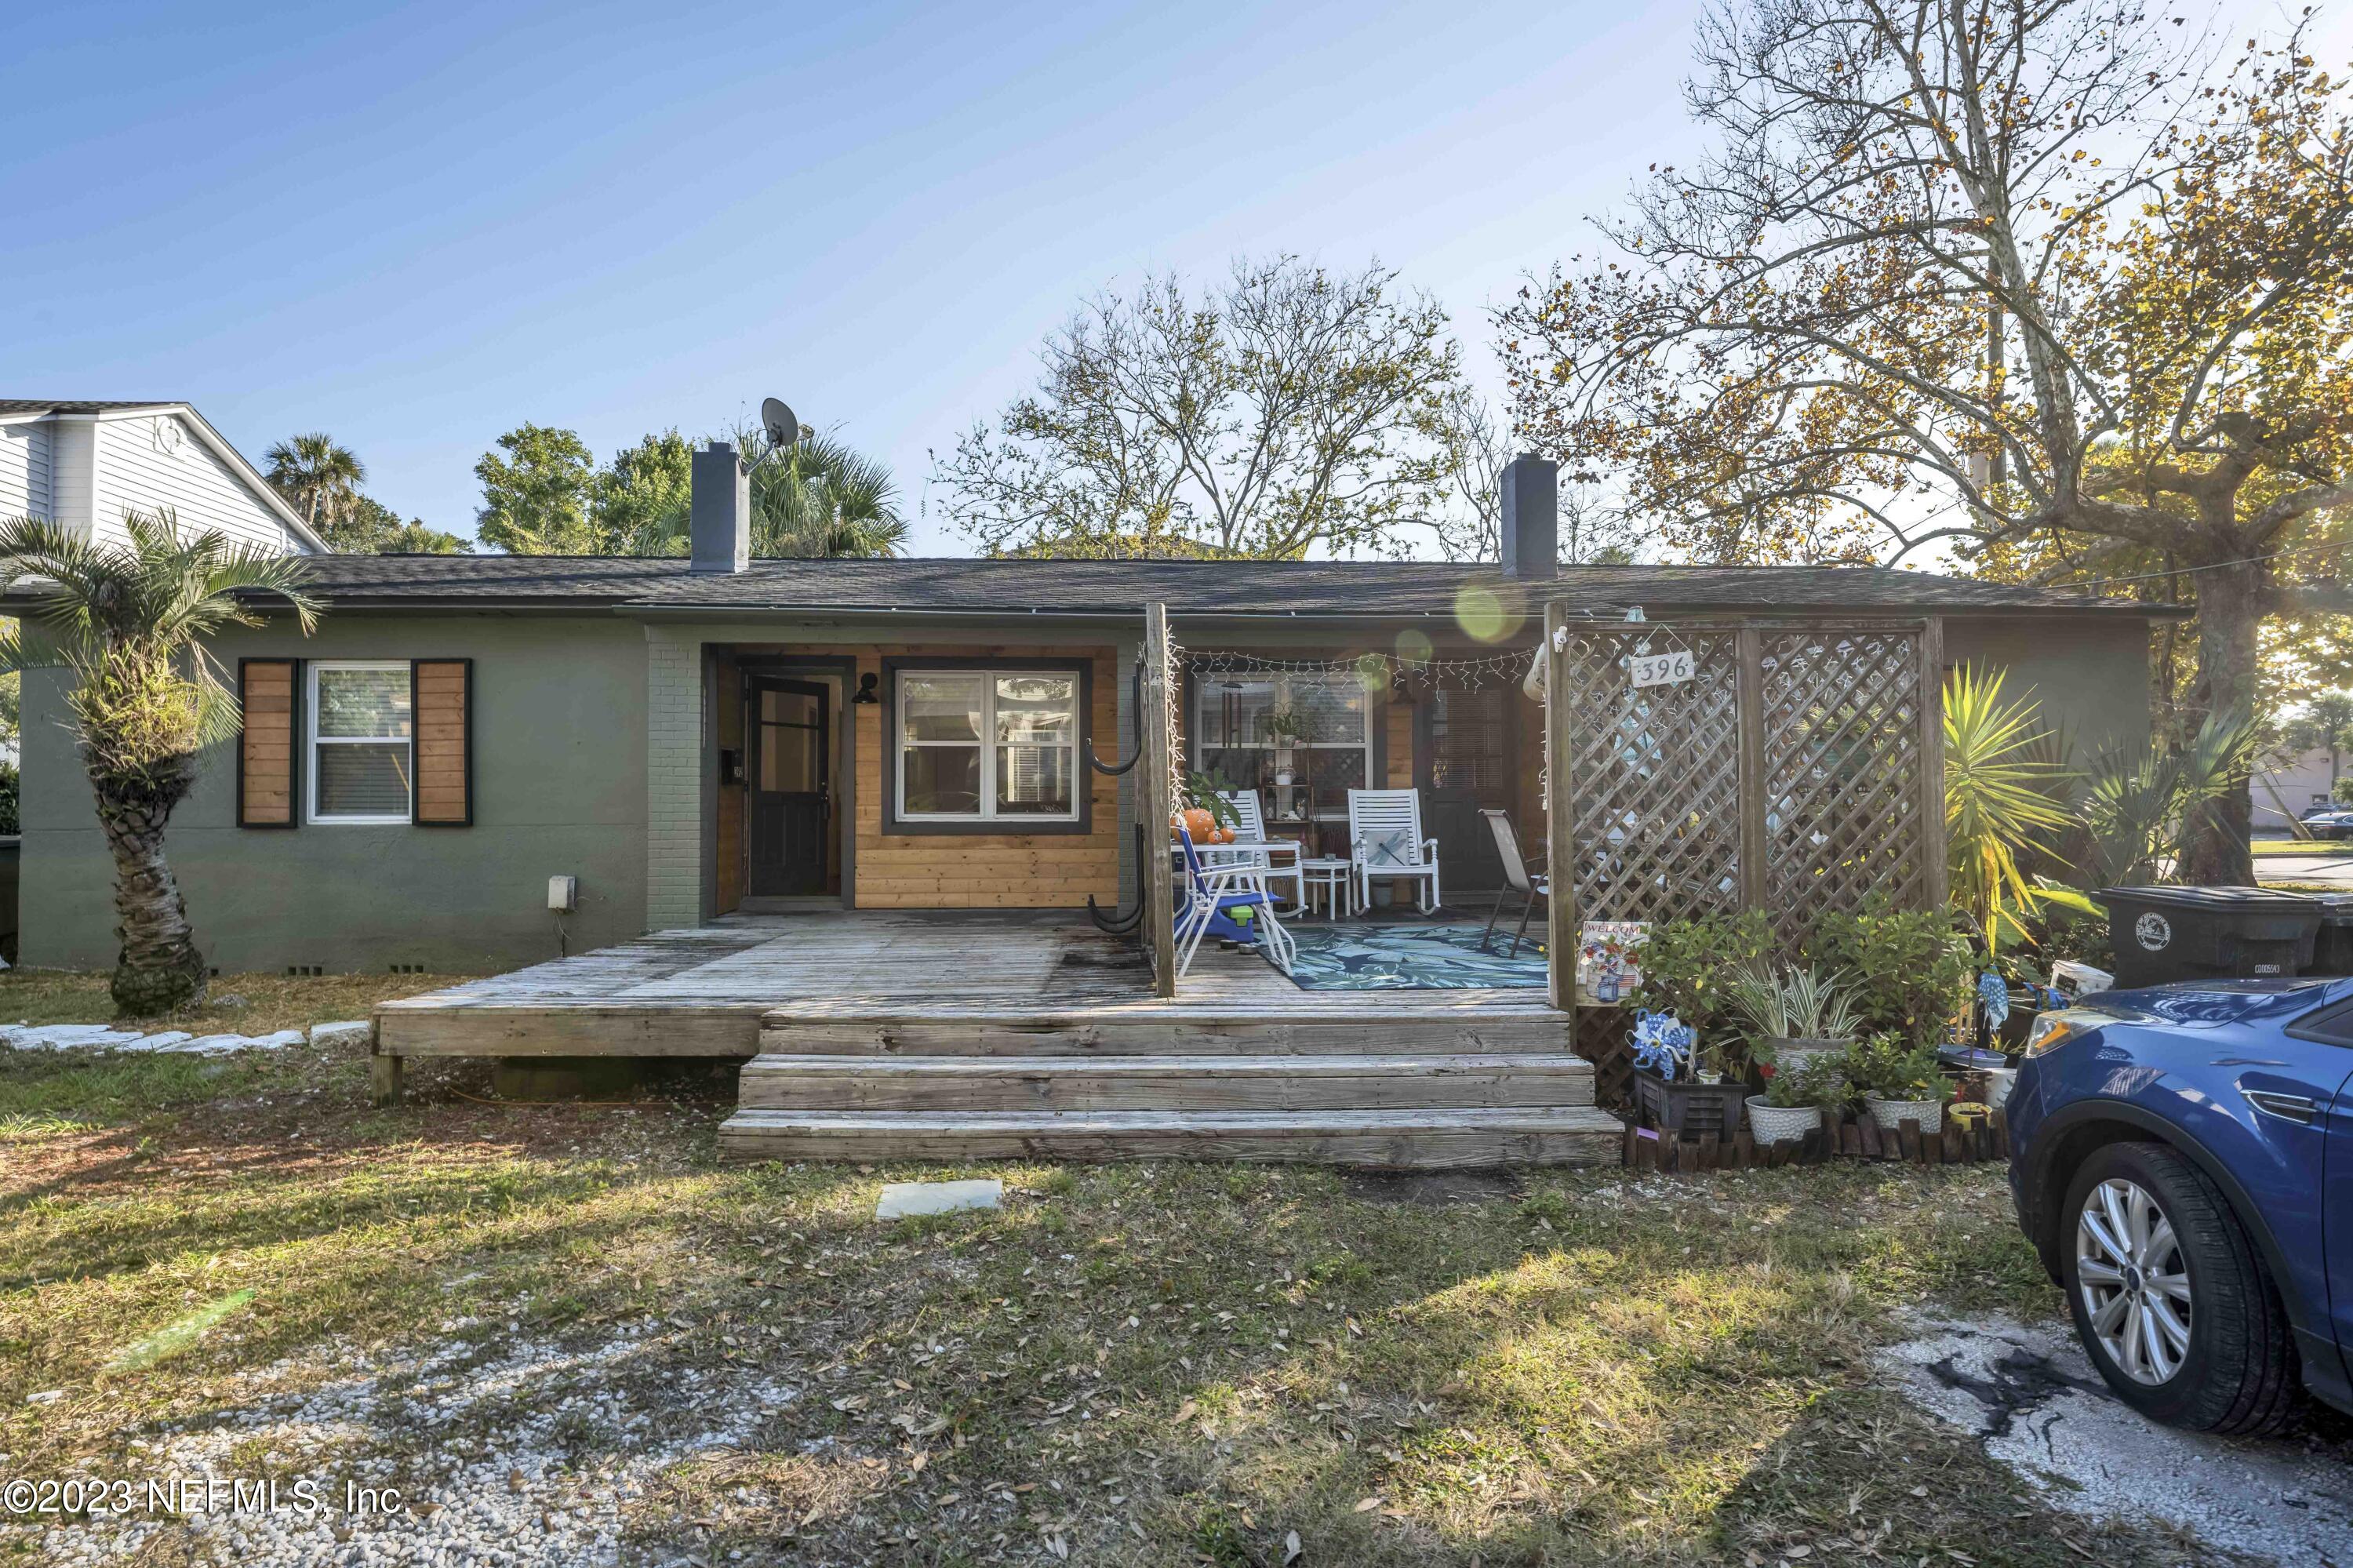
[
  {"x": 1463, "y": 752},
  {"x": 790, "y": 730}
]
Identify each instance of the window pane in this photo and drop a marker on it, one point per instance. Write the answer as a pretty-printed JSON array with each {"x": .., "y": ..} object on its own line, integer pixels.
[
  {"x": 941, "y": 779},
  {"x": 940, "y": 707},
  {"x": 1233, "y": 713},
  {"x": 1337, "y": 770},
  {"x": 363, "y": 701},
  {"x": 788, "y": 708},
  {"x": 1330, "y": 710},
  {"x": 787, "y": 758},
  {"x": 1034, "y": 778},
  {"x": 1238, "y": 766},
  {"x": 364, "y": 780},
  {"x": 1037, "y": 708}
]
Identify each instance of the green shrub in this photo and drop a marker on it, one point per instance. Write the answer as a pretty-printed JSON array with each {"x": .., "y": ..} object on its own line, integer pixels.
[
  {"x": 1909, "y": 970},
  {"x": 1687, "y": 965},
  {"x": 9, "y": 820},
  {"x": 1894, "y": 1068}
]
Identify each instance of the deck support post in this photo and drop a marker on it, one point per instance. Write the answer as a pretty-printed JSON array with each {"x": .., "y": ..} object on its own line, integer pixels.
[
  {"x": 1561, "y": 918},
  {"x": 1155, "y": 797},
  {"x": 384, "y": 1079},
  {"x": 1933, "y": 889}
]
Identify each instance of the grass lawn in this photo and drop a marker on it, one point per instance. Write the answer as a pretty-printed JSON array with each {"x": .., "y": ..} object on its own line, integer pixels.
[
  {"x": 570, "y": 1317},
  {"x": 2330, "y": 848},
  {"x": 270, "y": 1001}
]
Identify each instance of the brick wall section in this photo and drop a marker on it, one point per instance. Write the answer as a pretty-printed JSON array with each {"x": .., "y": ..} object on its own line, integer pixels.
[{"x": 674, "y": 778}]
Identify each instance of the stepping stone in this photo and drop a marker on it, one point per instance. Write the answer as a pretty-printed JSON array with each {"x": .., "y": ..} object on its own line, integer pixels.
[
  {"x": 351, "y": 1032},
  {"x": 900, "y": 1199}
]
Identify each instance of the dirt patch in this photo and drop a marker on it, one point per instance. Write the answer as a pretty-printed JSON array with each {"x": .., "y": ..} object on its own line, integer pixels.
[{"x": 1432, "y": 1189}]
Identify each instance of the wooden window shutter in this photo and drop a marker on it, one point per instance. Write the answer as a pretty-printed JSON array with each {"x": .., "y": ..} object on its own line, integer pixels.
[
  {"x": 269, "y": 751},
  {"x": 441, "y": 694}
]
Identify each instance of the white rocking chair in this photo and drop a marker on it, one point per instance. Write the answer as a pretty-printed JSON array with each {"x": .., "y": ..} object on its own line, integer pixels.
[
  {"x": 1276, "y": 859},
  {"x": 1385, "y": 840}
]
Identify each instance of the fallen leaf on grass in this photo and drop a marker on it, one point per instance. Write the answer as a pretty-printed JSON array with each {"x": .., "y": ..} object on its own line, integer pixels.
[
  {"x": 1368, "y": 1505},
  {"x": 1291, "y": 1547}
]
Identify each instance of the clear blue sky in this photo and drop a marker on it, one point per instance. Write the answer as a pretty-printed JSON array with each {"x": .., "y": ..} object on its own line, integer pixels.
[{"x": 417, "y": 227}]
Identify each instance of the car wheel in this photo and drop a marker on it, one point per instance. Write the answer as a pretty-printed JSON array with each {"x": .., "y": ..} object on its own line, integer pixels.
[{"x": 2169, "y": 1298}]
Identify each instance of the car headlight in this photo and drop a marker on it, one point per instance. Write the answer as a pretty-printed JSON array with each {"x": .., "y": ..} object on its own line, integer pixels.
[{"x": 2053, "y": 1030}]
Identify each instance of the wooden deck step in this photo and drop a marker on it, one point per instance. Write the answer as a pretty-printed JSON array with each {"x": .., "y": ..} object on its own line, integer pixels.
[
  {"x": 1388, "y": 1139},
  {"x": 1164, "y": 1031},
  {"x": 1217, "y": 1082}
]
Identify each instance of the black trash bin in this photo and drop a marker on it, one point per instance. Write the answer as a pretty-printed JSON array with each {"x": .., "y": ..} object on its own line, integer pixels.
[
  {"x": 2164, "y": 934},
  {"x": 2332, "y": 948}
]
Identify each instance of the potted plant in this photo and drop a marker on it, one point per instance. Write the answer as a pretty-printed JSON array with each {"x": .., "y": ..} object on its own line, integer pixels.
[
  {"x": 1796, "y": 1096},
  {"x": 1794, "y": 1012},
  {"x": 1900, "y": 1082}
]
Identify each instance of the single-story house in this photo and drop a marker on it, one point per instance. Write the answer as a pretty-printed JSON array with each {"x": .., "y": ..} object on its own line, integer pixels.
[{"x": 687, "y": 738}]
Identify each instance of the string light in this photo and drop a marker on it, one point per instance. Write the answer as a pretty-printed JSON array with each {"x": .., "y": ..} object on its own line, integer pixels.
[{"x": 1375, "y": 670}]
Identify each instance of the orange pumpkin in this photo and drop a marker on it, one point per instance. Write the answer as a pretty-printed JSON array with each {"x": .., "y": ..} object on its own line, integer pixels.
[{"x": 1201, "y": 824}]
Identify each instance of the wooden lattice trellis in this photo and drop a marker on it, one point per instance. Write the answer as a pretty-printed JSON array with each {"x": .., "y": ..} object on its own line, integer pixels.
[
  {"x": 1798, "y": 771},
  {"x": 1844, "y": 751},
  {"x": 1655, "y": 773}
]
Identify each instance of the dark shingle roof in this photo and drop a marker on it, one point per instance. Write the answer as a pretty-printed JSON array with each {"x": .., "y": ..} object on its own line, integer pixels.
[
  {"x": 61, "y": 405},
  {"x": 968, "y": 586}
]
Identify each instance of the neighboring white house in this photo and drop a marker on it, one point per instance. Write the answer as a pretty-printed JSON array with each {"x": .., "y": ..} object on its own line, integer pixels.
[
  {"x": 85, "y": 464},
  {"x": 2300, "y": 783}
]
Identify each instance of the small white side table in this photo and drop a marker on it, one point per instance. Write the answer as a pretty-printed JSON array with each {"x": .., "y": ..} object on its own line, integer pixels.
[{"x": 1336, "y": 880}]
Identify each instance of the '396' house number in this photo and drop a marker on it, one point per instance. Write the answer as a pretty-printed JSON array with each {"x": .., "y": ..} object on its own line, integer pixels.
[{"x": 1663, "y": 669}]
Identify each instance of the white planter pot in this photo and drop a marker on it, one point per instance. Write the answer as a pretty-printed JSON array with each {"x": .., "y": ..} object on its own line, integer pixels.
[
  {"x": 1789, "y": 1055},
  {"x": 1929, "y": 1114},
  {"x": 2000, "y": 1081},
  {"x": 1770, "y": 1124}
]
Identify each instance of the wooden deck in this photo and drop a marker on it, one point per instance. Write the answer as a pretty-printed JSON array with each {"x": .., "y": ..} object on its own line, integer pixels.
[{"x": 959, "y": 1035}]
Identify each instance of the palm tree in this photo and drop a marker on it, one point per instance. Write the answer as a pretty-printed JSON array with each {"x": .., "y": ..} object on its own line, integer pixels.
[
  {"x": 318, "y": 478},
  {"x": 2322, "y": 725},
  {"x": 128, "y": 624},
  {"x": 821, "y": 498}
]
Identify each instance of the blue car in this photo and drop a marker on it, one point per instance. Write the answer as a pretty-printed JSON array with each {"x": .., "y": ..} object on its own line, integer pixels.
[{"x": 2182, "y": 1158}]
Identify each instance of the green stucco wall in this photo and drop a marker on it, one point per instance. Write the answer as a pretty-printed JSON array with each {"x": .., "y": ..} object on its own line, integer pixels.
[
  {"x": 2089, "y": 674},
  {"x": 559, "y": 788}
]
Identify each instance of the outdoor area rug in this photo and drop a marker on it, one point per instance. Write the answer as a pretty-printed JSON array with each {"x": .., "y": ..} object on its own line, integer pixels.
[{"x": 1409, "y": 958}]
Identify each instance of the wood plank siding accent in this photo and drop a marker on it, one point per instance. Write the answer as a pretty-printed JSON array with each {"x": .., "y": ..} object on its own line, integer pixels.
[
  {"x": 1398, "y": 725},
  {"x": 985, "y": 870},
  {"x": 442, "y": 704},
  {"x": 267, "y": 770}
]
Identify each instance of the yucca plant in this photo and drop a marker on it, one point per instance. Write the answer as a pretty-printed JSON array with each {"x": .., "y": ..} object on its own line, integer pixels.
[
  {"x": 127, "y": 621},
  {"x": 1791, "y": 1001},
  {"x": 2004, "y": 795}
]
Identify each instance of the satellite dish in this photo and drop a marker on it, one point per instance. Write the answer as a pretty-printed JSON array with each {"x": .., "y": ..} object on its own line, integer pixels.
[{"x": 783, "y": 429}]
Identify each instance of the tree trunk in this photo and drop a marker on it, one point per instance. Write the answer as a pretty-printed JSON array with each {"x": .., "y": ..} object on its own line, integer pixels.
[
  {"x": 159, "y": 968},
  {"x": 2229, "y": 611}
]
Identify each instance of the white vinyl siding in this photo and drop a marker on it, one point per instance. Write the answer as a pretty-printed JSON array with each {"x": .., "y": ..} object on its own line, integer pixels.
[
  {"x": 72, "y": 447},
  {"x": 24, "y": 470},
  {"x": 148, "y": 460}
]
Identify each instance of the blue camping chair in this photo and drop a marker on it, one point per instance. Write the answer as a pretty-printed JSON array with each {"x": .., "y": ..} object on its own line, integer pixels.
[{"x": 1210, "y": 898}]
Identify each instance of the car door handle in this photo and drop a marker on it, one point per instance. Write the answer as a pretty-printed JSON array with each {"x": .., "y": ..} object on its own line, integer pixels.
[{"x": 2301, "y": 1109}]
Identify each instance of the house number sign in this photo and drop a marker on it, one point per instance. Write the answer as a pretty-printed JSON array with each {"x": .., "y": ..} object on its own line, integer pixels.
[{"x": 1663, "y": 669}]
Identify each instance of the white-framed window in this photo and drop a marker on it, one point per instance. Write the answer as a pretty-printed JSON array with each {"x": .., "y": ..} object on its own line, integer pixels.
[
  {"x": 987, "y": 745},
  {"x": 1302, "y": 740},
  {"x": 362, "y": 740}
]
